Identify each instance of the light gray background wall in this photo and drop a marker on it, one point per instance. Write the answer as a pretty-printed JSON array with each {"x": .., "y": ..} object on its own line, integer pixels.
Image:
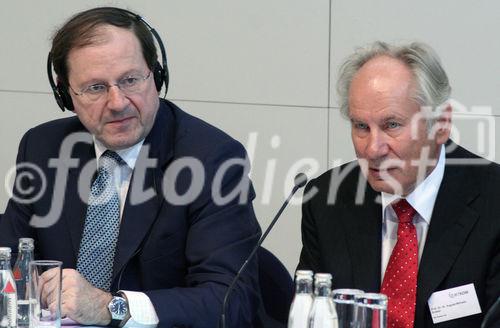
[{"x": 264, "y": 71}]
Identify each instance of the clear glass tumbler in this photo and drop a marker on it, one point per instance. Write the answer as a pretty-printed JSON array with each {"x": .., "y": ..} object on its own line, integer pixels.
[
  {"x": 345, "y": 304},
  {"x": 371, "y": 311},
  {"x": 45, "y": 294}
]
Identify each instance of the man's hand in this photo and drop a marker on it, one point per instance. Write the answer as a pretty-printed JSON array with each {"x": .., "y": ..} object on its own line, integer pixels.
[{"x": 80, "y": 301}]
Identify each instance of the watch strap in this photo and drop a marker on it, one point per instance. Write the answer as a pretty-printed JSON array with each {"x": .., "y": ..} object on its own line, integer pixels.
[{"x": 116, "y": 322}]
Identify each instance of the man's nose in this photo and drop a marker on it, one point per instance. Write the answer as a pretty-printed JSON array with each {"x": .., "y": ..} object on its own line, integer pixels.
[
  {"x": 377, "y": 146},
  {"x": 116, "y": 98}
]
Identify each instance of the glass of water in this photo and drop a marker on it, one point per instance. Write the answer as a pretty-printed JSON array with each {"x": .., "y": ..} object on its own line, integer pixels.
[
  {"x": 371, "y": 310},
  {"x": 45, "y": 294},
  {"x": 345, "y": 305}
]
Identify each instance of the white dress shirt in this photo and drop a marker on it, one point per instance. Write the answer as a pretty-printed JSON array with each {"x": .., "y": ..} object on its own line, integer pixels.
[
  {"x": 422, "y": 199},
  {"x": 142, "y": 312}
]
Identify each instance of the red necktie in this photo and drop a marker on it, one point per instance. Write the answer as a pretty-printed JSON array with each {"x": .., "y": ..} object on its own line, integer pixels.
[{"x": 400, "y": 279}]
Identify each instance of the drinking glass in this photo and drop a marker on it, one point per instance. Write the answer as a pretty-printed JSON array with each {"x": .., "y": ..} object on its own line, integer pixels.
[
  {"x": 345, "y": 305},
  {"x": 371, "y": 310},
  {"x": 44, "y": 290}
]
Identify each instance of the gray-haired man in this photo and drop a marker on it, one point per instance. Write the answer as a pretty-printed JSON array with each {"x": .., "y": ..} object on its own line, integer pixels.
[{"x": 428, "y": 218}]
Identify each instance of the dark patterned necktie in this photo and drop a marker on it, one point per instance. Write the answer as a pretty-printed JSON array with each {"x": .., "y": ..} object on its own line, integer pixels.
[
  {"x": 102, "y": 224},
  {"x": 400, "y": 279}
]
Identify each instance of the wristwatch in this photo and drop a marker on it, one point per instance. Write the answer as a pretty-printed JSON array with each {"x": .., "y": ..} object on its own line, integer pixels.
[{"x": 118, "y": 308}]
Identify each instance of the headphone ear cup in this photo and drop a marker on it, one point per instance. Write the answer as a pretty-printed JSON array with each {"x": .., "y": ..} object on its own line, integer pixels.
[
  {"x": 63, "y": 97},
  {"x": 159, "y": 76}
]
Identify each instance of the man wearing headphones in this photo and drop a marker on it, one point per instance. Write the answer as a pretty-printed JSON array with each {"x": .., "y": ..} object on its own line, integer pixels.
[{"x": 143, "y": 203}]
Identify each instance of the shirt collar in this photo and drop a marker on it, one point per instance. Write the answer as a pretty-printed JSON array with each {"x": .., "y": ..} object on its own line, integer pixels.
[
  {"x": 422, "y": 199},
  {"x": 129, "y": 155}
]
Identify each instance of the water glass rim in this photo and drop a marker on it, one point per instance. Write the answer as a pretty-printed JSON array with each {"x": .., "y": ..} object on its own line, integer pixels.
[
  {"x": 375, "y": 300},
  {"x": 345, "y": 295},
  {"x": 348, "y": 291},
  {"x": 46, "y": 263}
]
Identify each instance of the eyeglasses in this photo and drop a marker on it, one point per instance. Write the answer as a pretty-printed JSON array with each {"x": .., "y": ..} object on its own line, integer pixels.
[{"x": 128, "y": 85}]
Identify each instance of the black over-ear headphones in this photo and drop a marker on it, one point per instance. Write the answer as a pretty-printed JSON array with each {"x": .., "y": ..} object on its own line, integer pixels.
[{"x": 160, "y": 71}]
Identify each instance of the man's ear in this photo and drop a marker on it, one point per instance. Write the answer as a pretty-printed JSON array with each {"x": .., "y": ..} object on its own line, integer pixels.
[{"x": 442, "y": 128}]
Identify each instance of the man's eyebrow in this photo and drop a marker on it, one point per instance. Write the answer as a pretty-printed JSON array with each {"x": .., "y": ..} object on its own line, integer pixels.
[
  {"x": 392, "y": 118},
  {"x": 352, "y": 118},
  {"x": 382, "y": 120},
  {"x": 134, "y": 71},
  {"x": 89, "y": 82}
]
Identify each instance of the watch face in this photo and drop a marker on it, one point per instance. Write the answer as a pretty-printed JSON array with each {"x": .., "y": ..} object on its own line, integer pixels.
[{"x": 118, "y": 307}]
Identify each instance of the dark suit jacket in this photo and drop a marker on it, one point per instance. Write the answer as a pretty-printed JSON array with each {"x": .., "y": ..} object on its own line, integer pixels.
[
  {"x": 182, "y": 256},
  {"x": 462, "y": 246}
]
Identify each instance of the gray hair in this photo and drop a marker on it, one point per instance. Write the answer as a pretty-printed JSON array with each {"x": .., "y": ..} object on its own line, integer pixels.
[{"x": 431, "y": 82}]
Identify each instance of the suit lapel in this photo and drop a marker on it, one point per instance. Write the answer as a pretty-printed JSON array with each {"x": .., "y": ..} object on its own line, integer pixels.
[
  {"x": 139, "y": 217},
  {"x": 366, "y": 250},
  {"x": 448, "y": 231},
  {"x": 364, "y": 226},
  {"x": 75, "y": 206}
]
